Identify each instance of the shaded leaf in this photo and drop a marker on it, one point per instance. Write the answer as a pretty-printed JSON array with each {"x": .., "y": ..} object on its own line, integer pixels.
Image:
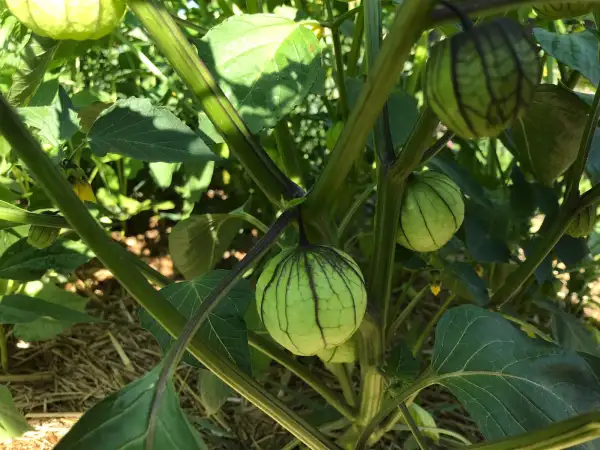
[
  {"x": 19, "y": 308},
  {"x": 23, "y": 262},
  {"x": 120, "y": 421},
  {"x": 47, "y": 327},
  {"x": 462, "y": 279},
  {"x": 213, "y": 392},
  {"x": 400, "y": 367},
  {"x": 403, "y": 112},
  {"x": 571, "y": 250},
  {"x": 579, "y": 50},
  {"x": 265, "y": 64},
  {"x": 55, "y": 123},
  {"x": 135, "y": 128},
  {"x": 12, "y": 422},
  {"x": 482, "y": 246},
  {"x": 34, "y": 61},
  {"x": 224, "y": 331},
  {"x": 508, "y": 382}
]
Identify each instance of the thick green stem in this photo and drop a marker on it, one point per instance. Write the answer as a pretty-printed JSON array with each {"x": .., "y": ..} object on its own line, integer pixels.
[
  {"x": 17, "y": 215},
  {"x": 357, "y": 38},
  {"x": 414, "y": 429},
  {"x": 370, "y": 355},
  {"x": 389, "y": 64},
  {"x": 342, "y": 374},
  {"x": 113, "y": 256},
  {"x": 565, "y": 434},
  {"x": 184, "y": 58},
  {"x": 301, "y": 371}
]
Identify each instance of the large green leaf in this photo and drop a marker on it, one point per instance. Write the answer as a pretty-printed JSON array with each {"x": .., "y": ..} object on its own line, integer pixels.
[
  {"x": 579, "y": 51},
  {"x": 47, "y": 327},
  {"x": 508, "y": 382},
  {"x": 19, "y": 308},
  {"x": 23, "y": 262},
  {"x": 265, "y": 64},
  {"x": 135, "y": 128},
  {"x": 463, "y": 280},
  {"x": 224, "y": 330},
  {"x": 120, "y": 421},
  {"x": 196, "y": 244},
  {"x": 403, "y": 112},
  {"x": 12, "y": 422},
  {"x": 36, "y": 57}
]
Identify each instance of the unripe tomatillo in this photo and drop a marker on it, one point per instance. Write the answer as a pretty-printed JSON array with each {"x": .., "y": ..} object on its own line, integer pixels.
[
  {"x": 311, "y": 298},
  {"x": 480, "y": 81}
]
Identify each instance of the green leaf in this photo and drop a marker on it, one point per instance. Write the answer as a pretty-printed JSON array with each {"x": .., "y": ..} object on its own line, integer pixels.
[
  {"x": 571, "y": 250},
  {"x": 135, "y": 128},
  {"x": 579, "y": 51},
  {"x": 12, "y": 422},
  {"x": 120, "y": 421},
  {"x": 423, "y": 419},
  {"x": 162, "y": 173},
  {"x": 46, "y": 328},
  {"x": 400, "y": 367},
  {"x": 403, "y": 112},
  {"x": 23, "y": 262},
  {"x": 213, "y": 392},
  {"x": 571, "y": 332},
  {"x": 482, "y": 246},
  {"x": 19, "y": 308},
  {"x": 55, "y": 123},
  {"x": 462, "y": 279},
  {"x": 265, "y": 64},
  {"x": 508, "y": 382},
  {"x": 592, "y": 165},
  {"x": 196, "y": 244},
  {"x": 224, "y": 330},
  {"x": 35, "y": 59}
]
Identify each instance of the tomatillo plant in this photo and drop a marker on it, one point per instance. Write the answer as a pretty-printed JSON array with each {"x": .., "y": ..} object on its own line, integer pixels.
[{"x": 410, "y": 197}]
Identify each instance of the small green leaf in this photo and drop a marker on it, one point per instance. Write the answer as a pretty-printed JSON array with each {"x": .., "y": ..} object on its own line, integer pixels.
[
  {"x": 423, "y": 419},
  {"x": 400, "y": 367},
  {"x": 462, "y": 279},
  {"x": 35, "y": 59},
  {"x": 579, "y": 50},
  {"x": 46, "y": 327},
  {"x": 19, "y": 308},
  {"x": 508, "y": 382},
  {"x": 12, "y": 422},
  {"x": 55, "y": 123},
  {"x": 135, "y": 128},
  {"x": 23, "y": 262},
  {"x": 224, "y": 330},
  {"x": 265, "y": 64},
  {"x": 196, "y": 244},
  {"x": 482, "y": 246},
  {"x": 213, "y": 392},
  {"x": 120, "y": 421}
]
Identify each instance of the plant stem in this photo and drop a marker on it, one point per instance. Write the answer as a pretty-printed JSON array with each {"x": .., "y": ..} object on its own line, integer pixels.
[
  {"x": 339, "y": 63},
  {"x": 382, "y": 79},
  {"x": 184, "y": 58},
  {"x": 413, "y": 426},
  {"x": 370, "y": 356},
  {"x": 559, "y": 435},
  {"x": 357, "y": 38},
  {"x": 393, "y": 328},
  {"x": 177, "y": 351},
  {"x": 576, "y": 171},
  {"x": 288, "y": 151},
  {"x": 436, "y": 148},
  {"x": 20, "y": 216},
  {"x": 358, "y": 202},
  {"x": 112, "y": 256},
  {"x": 141, "y": 56},
  {"x": 427, "y": 331},
  {"x": 343, "y": 376},
  {"x": 3, "y": 349},
  {"x": 302, "y": 372}
]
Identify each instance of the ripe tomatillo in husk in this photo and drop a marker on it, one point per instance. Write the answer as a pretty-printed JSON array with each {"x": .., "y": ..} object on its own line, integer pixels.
[
  {"x": 311, "y": 298},
  {"x": 480, "y": 81},
  {"x": 78, "y": 20},
  {"x": 432, "y": 211}
]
